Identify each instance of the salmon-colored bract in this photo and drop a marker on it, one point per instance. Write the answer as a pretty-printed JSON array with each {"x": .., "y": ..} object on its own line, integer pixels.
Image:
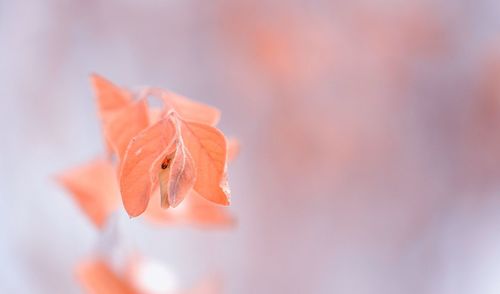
[
  {"x": 177, "y": 176},
  {"x": 110, "y": 98},
  {"x": 208, "y": 148},
  {"x": 94, "y": 187},
  {"x": 127, "y": 123},
  {"x": 175, "y": 149},
  {"x": 142, "y": 163}
]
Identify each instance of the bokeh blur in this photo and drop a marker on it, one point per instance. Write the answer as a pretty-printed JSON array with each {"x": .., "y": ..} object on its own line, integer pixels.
[{"x": 369, "y": 130}]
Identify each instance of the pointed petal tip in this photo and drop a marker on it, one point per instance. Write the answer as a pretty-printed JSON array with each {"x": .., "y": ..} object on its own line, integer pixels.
[
  {"x": 94, "y": 77},
  {"x": 133, "y": 213}
]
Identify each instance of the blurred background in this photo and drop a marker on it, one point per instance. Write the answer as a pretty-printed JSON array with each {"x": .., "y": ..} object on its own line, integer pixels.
[{"x": 370, "y": 136}]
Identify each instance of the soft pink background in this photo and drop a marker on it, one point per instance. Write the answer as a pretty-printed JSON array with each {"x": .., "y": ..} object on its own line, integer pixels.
[{"x": 370, "y": 136}]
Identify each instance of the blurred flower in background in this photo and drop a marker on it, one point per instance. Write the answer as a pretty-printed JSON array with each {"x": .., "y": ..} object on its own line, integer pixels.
[{"x": 369, "y": 133}]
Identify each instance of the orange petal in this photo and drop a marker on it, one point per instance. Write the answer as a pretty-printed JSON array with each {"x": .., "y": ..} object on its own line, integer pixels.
[
  {"x": 207, "y": 146},
  {"x": 97, "y": 277},
  {"x": 142, "y": 163},
  {"x": 192, "y": 111},
  {"x": 95, "y": 189},
  {"x": 178, "y": 178},
  {"x": 110, "y": 98},
  {"x": 125, "y": 124}
]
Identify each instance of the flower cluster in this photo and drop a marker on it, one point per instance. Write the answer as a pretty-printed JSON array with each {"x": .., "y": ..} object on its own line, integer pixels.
[{"x": 169, "y": 155}]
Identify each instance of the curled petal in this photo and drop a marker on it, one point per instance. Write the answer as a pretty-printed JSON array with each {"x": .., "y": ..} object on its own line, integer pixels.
[
  {"x": 177, "y": 178},
  {"x": 94, "y": 188},
  {"x": 140, "y": 167}
]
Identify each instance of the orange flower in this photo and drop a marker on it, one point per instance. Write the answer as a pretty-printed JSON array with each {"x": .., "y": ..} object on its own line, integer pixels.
[
  {"x": 180, "y": 150},
  {"x": 174, "y": 151}
]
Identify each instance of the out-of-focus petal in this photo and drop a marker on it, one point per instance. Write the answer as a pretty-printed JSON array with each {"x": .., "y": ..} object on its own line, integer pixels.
[
  {"x": 94, "y": 187},
  {"x": 110, "y": 98}
]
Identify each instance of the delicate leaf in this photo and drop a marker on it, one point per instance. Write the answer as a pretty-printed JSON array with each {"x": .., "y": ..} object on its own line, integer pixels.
[
  {"x": 194, "y": 210},
  {"x": 141, "y": 164},
  {"x": 110, "y": 98},
  {"x": 207, "y": 146},
  {"x": 94, "y": 188},
  {"x": 127, "y": 123}
]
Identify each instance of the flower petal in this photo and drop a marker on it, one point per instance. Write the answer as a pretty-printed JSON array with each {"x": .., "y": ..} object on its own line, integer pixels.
[
  {"x": 178, "y": 178},
  {"x": 110, "y": 98},
  {"x": 127, "y": 123},
  {"x": 95, "y": 189},
  {"x": 141, "y": 164},
  {"x": 208, "y": 148}
]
